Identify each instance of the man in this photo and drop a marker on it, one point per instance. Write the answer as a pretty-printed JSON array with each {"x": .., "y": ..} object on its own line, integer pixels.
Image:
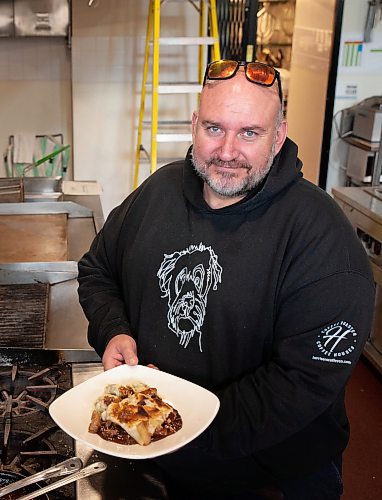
[{"x": 232, "y": 271}]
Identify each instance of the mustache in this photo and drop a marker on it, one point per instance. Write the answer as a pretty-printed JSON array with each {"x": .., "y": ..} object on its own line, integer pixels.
[{"x": 230, "y": 164}]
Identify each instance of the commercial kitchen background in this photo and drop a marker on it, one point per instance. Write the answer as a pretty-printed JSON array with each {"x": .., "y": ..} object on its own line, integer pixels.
[{"x": 90, "y": 92}]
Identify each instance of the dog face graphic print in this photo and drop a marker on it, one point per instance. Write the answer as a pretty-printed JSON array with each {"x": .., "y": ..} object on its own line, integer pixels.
[{"x": 185, "y": 278}]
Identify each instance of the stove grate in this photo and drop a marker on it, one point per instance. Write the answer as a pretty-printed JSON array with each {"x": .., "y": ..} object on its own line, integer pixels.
[
  {"x": 35, "y": 442},
  {"x": 24, "y": 309}
]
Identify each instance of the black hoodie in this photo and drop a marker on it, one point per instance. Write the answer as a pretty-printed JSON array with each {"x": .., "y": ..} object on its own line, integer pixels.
[{"x": 267, "y": 302}]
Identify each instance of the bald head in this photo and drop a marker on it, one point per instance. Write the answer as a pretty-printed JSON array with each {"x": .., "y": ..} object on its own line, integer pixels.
[
  {"x": 240, "y": 90},
  {"x": 237, "y": 130}
]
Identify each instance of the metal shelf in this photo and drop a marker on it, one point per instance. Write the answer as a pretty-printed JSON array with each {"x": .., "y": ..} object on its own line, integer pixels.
[{"x": 362, "y": 143}]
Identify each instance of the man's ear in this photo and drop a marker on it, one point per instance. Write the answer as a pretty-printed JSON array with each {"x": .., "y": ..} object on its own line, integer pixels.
[{"x": 281, "y": 135}]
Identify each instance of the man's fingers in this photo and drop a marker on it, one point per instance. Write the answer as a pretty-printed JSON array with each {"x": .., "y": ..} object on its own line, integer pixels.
[
  {"x": 128, "y": 349},
  {"x": 109, "y": 363},
  {"x": 130, "y": 358},
  {"x": 121, "y": 349}
]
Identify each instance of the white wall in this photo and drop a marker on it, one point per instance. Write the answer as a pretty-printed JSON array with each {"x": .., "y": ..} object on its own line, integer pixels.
[
  {"x": 105, "y": 42},
  {"x": 311, "y": 51},
  {"x": 107, "y": 55},
  {"x": 35, "y": 88},
  {"x": 93, "y": 89}
]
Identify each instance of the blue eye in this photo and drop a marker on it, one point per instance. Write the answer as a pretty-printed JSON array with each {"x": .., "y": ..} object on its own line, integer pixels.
[
  {"x": 249, "y": 134},
  {"x": 214, "y": 129}
]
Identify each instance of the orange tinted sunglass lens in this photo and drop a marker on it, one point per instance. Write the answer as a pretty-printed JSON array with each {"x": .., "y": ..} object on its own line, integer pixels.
[
  {"x": 260, "y": 73},
  {"x": 222, "y": 69}
]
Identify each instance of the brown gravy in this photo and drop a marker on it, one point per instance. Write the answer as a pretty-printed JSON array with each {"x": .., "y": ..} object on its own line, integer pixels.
[{"x": 114, "y": 433}]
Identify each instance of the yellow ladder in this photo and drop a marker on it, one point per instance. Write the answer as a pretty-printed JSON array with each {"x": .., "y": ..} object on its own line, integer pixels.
[{"x": 208, "y": 36}]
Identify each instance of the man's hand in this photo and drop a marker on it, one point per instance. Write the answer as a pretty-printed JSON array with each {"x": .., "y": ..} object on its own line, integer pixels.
[{"x": 121, "y": 349}]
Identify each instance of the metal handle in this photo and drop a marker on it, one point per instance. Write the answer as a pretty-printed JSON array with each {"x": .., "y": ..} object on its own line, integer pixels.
[
  {"x": 370, "y": 19},
  {"x": 62, "y": 469},
  {"x": 85, "y": 472}
]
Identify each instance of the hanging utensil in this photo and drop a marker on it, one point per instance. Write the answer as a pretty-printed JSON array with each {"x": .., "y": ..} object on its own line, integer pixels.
[
  {"x": 370, "y": 19},
  {"x": 287, "y": 22},
  {"x": 265, "y": 24}
]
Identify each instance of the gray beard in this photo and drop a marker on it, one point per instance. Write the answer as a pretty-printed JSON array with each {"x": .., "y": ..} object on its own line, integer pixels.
[{"x": 226, "y": 183}]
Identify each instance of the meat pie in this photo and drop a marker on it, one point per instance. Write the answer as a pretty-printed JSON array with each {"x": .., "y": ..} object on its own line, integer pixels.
[{"x": 134, "y": 413}]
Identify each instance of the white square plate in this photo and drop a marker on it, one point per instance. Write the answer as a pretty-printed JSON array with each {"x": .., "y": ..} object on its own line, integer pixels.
[{"x": 198, "y": 407}]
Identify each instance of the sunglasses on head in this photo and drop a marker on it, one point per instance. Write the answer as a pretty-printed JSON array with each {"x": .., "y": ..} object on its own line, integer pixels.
[{"x": 256, "y": 72}]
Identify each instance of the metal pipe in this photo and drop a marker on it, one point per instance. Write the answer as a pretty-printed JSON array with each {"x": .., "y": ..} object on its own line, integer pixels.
[{"x": 250, "y": 50}]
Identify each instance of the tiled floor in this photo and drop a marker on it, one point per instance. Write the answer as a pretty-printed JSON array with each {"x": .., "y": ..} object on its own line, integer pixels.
[{"x": 362, "y": 461}]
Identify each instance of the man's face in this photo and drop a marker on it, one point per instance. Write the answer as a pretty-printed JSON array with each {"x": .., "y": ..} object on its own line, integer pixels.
[{"x": 236, "y": 134}]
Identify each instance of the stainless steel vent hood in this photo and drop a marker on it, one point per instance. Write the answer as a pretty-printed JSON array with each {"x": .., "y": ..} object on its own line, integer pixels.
[{"x": 24, "y": 18}]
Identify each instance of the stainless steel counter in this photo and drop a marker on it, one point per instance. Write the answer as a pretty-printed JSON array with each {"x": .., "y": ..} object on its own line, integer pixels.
[
  {"x": 66, "y": 323},
  {"x": 366, "y": 200},
  {"x": 363, "y": 208},
  {"x": 23, "y": 221}
]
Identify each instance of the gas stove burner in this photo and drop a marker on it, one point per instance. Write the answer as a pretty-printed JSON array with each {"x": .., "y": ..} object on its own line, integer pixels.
[
  {"x": 31, "y": 393},
  {"x": 32, "y": 453},
  {"x": 23, "y": 451},
  {"x": 29, "y": 439}
]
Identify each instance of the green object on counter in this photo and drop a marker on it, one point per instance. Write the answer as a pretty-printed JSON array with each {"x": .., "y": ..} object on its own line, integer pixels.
[
  {"x": 54, "y": 164},
  {"x": 43, "y": 164},
  {"x": 51, "y": 155}
]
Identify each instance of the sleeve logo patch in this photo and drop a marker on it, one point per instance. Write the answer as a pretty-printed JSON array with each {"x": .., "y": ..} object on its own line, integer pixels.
[{"x": 335, "y": 342}]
